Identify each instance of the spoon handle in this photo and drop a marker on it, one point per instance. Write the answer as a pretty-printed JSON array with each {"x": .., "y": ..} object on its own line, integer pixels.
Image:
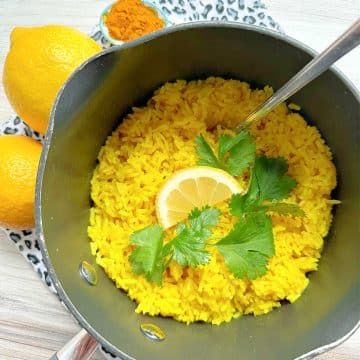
[{"x": 345, "y": 43}]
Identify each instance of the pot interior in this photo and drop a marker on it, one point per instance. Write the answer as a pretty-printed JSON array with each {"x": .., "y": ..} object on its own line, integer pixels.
[{"x": 90, "y": 107}]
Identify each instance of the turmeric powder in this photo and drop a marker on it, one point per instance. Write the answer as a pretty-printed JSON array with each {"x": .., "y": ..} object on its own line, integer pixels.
[{"x": 130, "y": 19}]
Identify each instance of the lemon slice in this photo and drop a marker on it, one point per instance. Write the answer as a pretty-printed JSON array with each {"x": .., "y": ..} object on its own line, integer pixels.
[{"x": 193, "y": 187}]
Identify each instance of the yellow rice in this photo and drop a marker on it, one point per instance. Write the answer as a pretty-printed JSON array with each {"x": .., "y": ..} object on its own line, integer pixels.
[{"x": 151, "y": 144}]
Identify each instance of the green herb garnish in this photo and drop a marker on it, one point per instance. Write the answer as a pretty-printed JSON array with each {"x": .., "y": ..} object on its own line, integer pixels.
[
  {"x": 235, "y": 154},
  {"x": 151, "y": 257},
  {"x": 189, "y": 243},
  {"x": 250, "y": 244},
  {"x": 148, "y": 257},
  {"x": 268, "y": 184},
  {"x": 269, "y": 179}
]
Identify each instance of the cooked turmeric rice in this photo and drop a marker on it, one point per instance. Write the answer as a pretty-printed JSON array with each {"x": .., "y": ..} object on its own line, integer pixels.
[{"x": 155, "y": 141}]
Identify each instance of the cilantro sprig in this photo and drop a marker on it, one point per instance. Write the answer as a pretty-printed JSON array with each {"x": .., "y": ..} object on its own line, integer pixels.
[
  {"x": 248, "y": 247},
  {"x": 151, "y": 257},
  {"x": 148, "y": 256},
  {"x": 235, "y": 153},
  {"x": 269, "y": 184},
  {"x": 189, "y": 244},
  {"x": 250, "y": 244}
]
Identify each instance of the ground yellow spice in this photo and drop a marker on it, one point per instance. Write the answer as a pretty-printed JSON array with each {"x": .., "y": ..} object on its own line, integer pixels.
[{"x": 130, "y": 19}]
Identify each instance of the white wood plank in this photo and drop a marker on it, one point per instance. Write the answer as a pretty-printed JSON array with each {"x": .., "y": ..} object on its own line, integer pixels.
[
  {"x": 318, "y": 23},
  {"x": 33, "y": 323}
]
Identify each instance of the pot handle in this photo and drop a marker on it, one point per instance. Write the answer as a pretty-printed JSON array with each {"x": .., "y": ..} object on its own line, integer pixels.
[{"x": 81, "y": 347}]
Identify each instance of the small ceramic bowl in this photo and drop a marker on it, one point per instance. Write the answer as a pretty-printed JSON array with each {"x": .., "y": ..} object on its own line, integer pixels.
[{"x": 105, "y": 31}]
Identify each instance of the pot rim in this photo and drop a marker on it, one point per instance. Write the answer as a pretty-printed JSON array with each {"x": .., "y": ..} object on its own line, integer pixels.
[{"x": 38, "y": 212}]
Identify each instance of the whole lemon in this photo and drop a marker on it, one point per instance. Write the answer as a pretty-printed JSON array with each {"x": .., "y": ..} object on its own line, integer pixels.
[
  {"x": 38, "y": 63},
  {"x": 19, "y": 159}
]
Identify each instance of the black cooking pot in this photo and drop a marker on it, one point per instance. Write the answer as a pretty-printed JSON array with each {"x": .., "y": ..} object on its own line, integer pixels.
[{"x": 90, "y": 106}]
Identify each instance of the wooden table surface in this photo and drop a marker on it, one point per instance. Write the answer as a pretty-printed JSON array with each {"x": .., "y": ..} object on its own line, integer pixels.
[{"x": 33, "y": 324}]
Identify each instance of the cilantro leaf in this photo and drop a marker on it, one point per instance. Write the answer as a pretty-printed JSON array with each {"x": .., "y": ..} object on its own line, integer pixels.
[
  {"x": 189, "y": 244},
  {"x": 235, "y": 153},
  {"x": 241, "y": 148},
  {"x": 284, "y": 209},
  {"x": 151, "y": 257},
  {"x": 247, "y": 248},
  {"x": 206, "y": 154},
  {"x": 240, "y": 205},
  {"x": 148, "y": 257},
  {"x": 207, "y": 216},
  {"x": 226, "y": 143},
  {"x": 269, "y": 181},
  {"x": 188, "y": 251}
]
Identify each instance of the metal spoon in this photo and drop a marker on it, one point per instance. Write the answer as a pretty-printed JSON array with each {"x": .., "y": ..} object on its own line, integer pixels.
[{"x": 344, "y": 44}]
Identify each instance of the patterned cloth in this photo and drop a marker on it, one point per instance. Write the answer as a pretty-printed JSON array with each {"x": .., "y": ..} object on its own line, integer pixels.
[{"x": 251, "y": 12}]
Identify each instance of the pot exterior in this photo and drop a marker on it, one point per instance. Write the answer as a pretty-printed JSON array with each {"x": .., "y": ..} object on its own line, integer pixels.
[{"x": 90, "y": 106}]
